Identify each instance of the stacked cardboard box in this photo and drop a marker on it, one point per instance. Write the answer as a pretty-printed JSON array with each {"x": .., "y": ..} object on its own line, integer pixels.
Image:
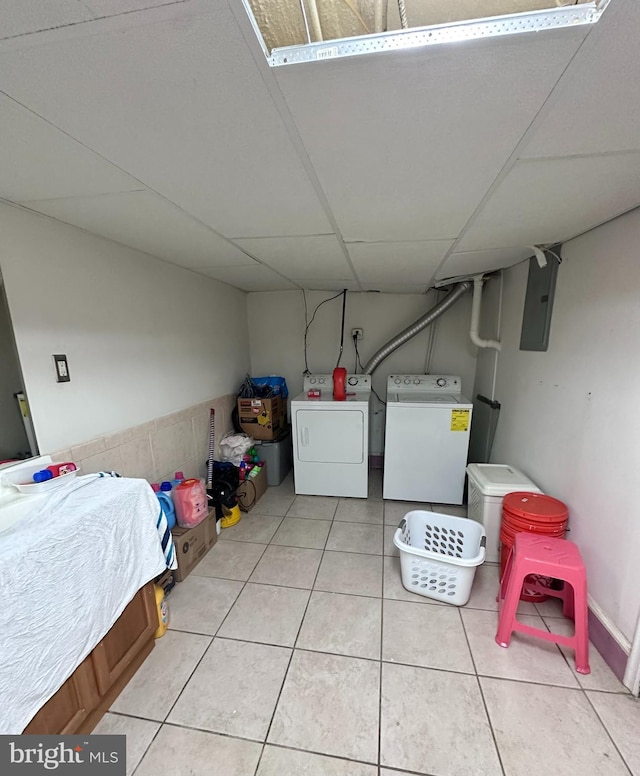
[
  {"x": 262, "y": 418},
  {"x": 192, "y": 544}
]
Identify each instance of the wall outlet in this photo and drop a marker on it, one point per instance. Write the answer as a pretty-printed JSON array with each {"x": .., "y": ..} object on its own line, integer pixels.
[{"x": 357, "y": 334}]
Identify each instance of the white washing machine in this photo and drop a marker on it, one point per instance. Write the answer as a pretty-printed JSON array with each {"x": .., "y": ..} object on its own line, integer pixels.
[
  {"x": 331, "y": 438},
  {"x": 426, "y": 439}
]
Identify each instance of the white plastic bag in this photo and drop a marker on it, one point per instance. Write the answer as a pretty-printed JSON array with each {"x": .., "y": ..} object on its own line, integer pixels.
[{"x": 233, "y": 446}]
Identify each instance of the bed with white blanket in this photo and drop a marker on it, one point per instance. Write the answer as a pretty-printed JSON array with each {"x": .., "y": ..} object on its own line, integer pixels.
[{"x": 67, "y": 571}]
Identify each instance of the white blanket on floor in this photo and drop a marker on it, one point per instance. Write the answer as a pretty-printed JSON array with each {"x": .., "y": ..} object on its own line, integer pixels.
[{"x": 67, "y": 572}]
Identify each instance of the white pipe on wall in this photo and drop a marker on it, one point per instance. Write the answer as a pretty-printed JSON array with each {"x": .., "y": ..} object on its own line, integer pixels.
[{"x": 475, "y": 318}]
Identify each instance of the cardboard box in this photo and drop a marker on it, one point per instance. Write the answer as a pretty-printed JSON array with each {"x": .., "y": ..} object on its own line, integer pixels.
[
  {"x": 250, "y": 491},
  {"x": 262, "y": 418},
  {"x": 192, "y": 544}
]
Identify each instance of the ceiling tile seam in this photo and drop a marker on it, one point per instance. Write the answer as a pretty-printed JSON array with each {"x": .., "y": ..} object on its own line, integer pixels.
[
  {"x": 91, "y": 21},
  {"x": 79, "y": 196},
  {"x": 243, "y": 21},
  {"x": 561, "y": 157},
  {"x": 146, "y": 188},
  {"x": 285, "y": 236},
  {"x": 76, "y": 228},
  {"x": 548, "y": 103}
]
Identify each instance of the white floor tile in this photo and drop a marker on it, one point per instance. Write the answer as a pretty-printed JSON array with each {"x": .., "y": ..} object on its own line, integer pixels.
[
  {"x": 429, "y": 636},
  {"x": 450, "y": 509},
  {"x": 527, "y": 658},
  {"x": 342, "y": 624},
  {"x": 389, "y": 547},
  {"x": 266, "y": 613},
  {"x": 434, "y": 722},
  {"x": 485, "y": 590},
  {"x": 621, "y": 717},
  {"x": 139, "y": 733},
  {"x": 160, "y": 679},
  {"x": 302, "y": 532},
  {"x": 252, "y": 528},
  {"x": 353, "y": 510},
  {"x": 329, "y": 704},
  {"x": 234, "y": 690},
  {"x": 345, "y": 572},
  {"x": 315, "y": 507},
  {"x": 274, "y": 504},
  {"x": 394, "y": 511},
  {"x": 178, "y": 751},
  {"x": 200, "y": 604},
  {"x": 601, "y": 676},
  {"x": 352, "y": 537},
  {"x": 548, "y": 730},
  {"x": 289, "y": 762},
  {"x": 230, "y": 560},
  {"x": 288, "y": 566}
]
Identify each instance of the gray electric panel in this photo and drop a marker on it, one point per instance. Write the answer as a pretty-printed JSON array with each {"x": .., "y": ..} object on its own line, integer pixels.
[{"x": 538, "y": 303}]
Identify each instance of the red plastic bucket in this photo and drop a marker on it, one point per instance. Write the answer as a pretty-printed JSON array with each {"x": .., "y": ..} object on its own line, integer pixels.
[{"x": 533, "y": 513}]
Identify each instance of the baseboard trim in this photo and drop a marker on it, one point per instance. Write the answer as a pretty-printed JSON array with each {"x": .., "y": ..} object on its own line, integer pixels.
[{"x": 608, "y": 640}]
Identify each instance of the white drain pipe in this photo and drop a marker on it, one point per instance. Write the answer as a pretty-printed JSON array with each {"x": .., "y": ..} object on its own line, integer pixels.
[{"x": 475, "y": 318}]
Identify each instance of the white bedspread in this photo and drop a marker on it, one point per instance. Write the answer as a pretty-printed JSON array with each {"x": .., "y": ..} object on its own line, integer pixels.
[{"x": 67, "y": 571}]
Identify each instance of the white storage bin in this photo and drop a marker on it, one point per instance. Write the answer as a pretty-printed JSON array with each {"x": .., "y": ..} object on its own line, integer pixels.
[
  {"x": 439, "y": 555},
  {"x": 489, "y": 483}
]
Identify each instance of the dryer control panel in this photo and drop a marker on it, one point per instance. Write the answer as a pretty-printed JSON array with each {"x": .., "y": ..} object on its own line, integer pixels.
[
  {"x": 451, "y": 384},
  {"x": 325, "y": 382}
]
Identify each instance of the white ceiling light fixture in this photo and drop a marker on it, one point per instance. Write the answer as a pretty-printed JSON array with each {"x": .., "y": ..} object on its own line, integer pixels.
[{"x": 557, "y": 16}]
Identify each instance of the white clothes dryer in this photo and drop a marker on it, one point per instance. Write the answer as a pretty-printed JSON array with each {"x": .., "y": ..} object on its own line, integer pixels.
[
  {"x": 426, "y": 439},
  {"x": 331, "y": 438}
]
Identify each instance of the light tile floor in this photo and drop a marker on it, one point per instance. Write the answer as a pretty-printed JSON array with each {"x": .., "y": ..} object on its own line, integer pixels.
[{"x": 294, "y": 650}]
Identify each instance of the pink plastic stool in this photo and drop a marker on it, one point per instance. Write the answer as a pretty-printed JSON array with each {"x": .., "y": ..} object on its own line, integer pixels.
[{"x": 547, "y": 557}]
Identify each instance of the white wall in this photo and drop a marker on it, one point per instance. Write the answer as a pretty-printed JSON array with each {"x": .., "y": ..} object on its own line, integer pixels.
[
  {"x": 13, "y": 438},
  {"x": 144, "y": 338},
  {"x": 569, "y": 416},
  {"x": 276, "y": 335}
]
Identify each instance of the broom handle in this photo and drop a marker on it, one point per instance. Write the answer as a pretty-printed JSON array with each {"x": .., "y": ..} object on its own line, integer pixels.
[{"x": 212, "y": 446}]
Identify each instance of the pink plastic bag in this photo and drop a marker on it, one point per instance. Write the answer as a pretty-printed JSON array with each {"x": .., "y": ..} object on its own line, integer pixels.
[{"x": 190, "y": 500}]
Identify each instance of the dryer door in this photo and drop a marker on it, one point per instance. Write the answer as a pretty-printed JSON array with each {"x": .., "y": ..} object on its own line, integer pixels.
[{"x": 330, "y": 436}]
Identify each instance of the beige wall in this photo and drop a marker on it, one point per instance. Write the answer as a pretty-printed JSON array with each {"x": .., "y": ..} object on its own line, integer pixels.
[{"x": 157, "y": 449}]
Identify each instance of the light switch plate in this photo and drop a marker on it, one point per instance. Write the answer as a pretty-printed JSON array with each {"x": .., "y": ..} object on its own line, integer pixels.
[{"x": 62, "y": 368}]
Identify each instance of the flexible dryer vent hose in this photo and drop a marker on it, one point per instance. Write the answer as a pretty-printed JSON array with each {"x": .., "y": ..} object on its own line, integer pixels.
[{"x": 416, "y": 327}]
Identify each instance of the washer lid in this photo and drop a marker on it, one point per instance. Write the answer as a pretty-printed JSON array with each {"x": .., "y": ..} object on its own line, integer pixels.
[
  {"x": 416, "y": 397},
  {"x": 498, "y": 479}
]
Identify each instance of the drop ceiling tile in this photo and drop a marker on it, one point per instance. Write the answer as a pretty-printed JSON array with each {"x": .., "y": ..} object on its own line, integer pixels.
[
  {"x": 301, "y": 258},
  {"x": 596, "y": 105},
  {"x": 396, "y": 288},
  {"x": 24, "y": 16},
  {"x": 401, "y": 263},
  {"x": 253, "y": 278},
  {"x": 550, "y": 200},
  {"x": 405, "y": 144},
  {"x": 475, "y": 262},
  {"x": 174, "y": 97},
  {"x": 330, "y": 285},
  {"x": 112, "y": 7},
  {"x": 148, "y": 223},
  {"x": 40, "y": 162}
]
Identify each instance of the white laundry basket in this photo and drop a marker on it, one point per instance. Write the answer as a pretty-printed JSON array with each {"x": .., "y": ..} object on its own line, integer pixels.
[{"x": 439, "y": 555}]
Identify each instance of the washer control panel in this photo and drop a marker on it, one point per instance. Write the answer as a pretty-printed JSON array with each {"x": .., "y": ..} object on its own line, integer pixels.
[
  {"x": 424, "y": 383},
  {"x": 325, "y": 382}
]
